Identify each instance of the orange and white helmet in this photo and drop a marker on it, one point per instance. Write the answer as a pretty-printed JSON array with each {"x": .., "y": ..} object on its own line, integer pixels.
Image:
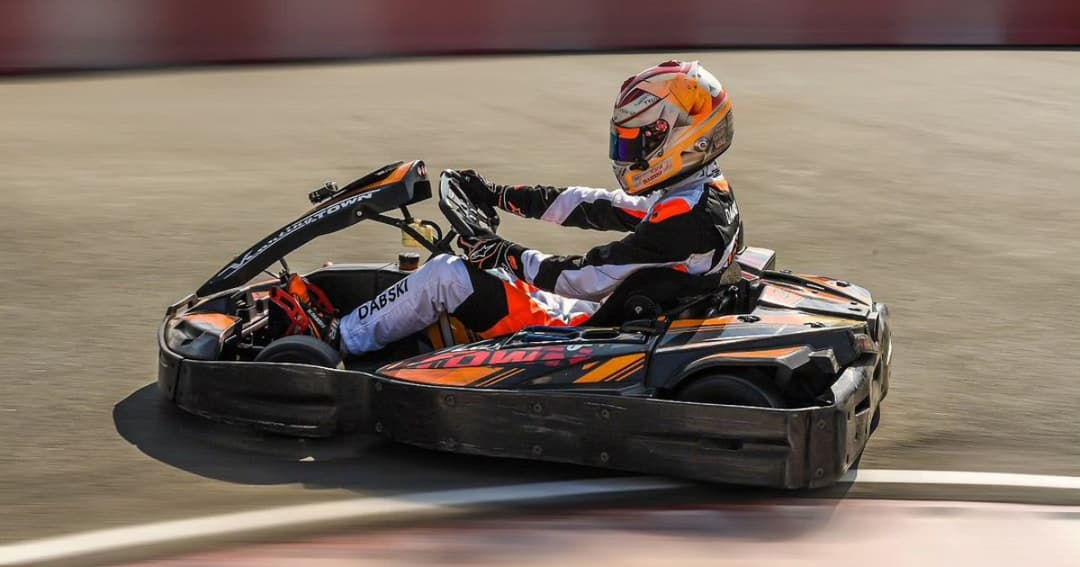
[{"x": 670, "y": 121}]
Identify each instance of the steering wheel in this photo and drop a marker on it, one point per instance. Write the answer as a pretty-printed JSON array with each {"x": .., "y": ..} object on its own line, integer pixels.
[{"x": 465, "y": 217}]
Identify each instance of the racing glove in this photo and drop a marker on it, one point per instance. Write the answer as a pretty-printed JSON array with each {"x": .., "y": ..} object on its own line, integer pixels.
[
  {"x": 488, "y": 252},
  {"x": 479, "y": 190}
]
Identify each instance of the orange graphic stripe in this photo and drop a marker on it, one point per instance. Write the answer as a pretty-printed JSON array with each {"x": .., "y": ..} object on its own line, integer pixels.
[
  {"x": 626, "y": 372},
  {"x": 397, "y": 175},
  {"x": 695, "y": 323},
  {"x": 498, "y": 377},
  {"x": 860, "y": 295},
  {"x": 444, "y": 376},
  {"x": 769, "y": 353},
  {"x": 728, "y": 321},
  {"x": 609, "y": 368}
]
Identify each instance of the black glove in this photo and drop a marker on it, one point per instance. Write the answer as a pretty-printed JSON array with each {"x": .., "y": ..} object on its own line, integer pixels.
[
  {"x": 488, "y": 252},
  {"x": 479, "y": 190}
]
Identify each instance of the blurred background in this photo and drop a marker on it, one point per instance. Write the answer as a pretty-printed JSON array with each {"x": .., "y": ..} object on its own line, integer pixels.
[
  {"x": 41, "y": 35},
  {"x": 930, "y": 155}
]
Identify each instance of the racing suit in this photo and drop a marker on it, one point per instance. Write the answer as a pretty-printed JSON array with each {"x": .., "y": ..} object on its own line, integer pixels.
[{"x": 692, "y": 227}]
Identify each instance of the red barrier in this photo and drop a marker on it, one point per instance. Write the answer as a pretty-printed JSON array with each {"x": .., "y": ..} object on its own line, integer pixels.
[{"x": 76, "y": 34}]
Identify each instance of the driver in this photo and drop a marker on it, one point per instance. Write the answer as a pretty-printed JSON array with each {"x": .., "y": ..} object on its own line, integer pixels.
[{"x": 670, "y": 124}]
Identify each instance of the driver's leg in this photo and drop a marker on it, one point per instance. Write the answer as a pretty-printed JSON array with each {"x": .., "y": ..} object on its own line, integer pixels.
[
  {"x": 407, "y": 307},
  {"x": 491, "y": 303},
  {"x": 504, "y": 304}
]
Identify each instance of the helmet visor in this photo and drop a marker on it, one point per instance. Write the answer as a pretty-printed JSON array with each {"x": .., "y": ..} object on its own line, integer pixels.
[
  {"x": 636, "y": 144},
  {"x": 625, "y": 144}
]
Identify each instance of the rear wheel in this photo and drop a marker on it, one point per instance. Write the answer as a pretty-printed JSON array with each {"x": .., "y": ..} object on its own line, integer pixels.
[
  {"x": 300, "y": 349},
  {"x": 752, "y": 389}
]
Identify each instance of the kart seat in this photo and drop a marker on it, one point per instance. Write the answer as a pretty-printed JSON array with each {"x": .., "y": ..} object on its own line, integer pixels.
[{"x": 649, "y": 292}]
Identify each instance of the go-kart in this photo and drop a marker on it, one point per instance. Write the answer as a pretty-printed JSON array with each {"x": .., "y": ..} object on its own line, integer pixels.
[{"x": 772, "y": 379}]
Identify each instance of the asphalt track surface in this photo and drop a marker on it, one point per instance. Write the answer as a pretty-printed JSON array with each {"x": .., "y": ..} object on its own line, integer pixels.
[{"x": 945, "y": 182}]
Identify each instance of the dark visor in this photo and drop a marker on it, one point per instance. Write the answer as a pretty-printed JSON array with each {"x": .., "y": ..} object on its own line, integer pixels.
[
  {"x": 622, "y": 148},
  {"x": 634, "y": 144}
]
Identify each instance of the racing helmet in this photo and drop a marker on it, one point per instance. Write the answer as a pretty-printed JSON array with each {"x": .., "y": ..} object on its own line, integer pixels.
[{"x": 670, "y": 121}]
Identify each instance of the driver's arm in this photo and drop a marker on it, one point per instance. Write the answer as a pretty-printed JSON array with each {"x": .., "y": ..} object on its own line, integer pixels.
[
  {"x": 581, "y": 207},
  {"x": 680, "y": 242}
]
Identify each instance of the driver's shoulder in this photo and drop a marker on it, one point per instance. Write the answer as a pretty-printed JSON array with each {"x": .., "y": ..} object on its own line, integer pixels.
[{"x": 676, "y": 203}]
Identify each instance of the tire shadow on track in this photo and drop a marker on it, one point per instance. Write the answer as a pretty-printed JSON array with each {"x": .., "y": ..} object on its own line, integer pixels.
[
  {"x": 363, "y": 463},
  {"x": 374, "y": 467},
  {"x": 239, "y": 454}
]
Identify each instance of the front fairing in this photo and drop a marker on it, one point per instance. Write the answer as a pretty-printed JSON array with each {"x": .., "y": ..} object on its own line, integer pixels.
[{"x": 391, "y": 187}]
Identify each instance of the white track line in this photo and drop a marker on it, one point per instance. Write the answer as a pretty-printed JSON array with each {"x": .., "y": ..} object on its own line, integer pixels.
[
  {"x": 307, "y": 515},
  {"x": 231, "y": 525},
  {"x": 961, "y": 478}
]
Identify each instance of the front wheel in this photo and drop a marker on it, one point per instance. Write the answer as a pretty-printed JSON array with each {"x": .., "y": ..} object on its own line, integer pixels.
[
  {"x": 753, "y": 390},
  {"x": 300, "y": 349}
]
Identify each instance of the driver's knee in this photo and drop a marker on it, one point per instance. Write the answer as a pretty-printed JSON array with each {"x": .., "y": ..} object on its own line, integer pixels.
[{"x": 443, "y": 268}]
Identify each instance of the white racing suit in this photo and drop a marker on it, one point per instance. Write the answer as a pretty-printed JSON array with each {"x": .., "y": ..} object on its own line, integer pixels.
[{"x": 692, "y": 227}]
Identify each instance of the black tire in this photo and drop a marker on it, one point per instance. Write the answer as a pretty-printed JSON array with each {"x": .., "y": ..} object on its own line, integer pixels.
[
  {"x": 300, "y": 349},
  {"x": 752, "y": 389}
]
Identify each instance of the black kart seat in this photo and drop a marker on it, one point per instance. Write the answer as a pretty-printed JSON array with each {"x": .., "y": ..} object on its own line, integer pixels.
[{"x": 647, "y": 293}]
